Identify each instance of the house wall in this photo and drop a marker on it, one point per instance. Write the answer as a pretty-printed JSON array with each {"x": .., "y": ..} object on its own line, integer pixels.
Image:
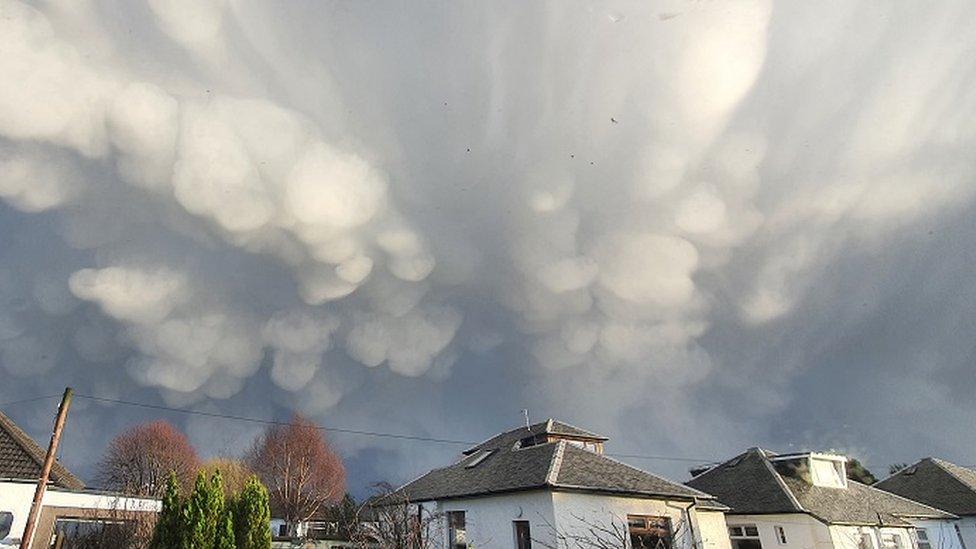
[
  {"x": 942, "y": 533},
  {"x": 848, "y": 537},
  {"x": 489, "y": 519},
  {"x": 16, "y": 497},
  {"x": 967, "y": 527},
  {"x": 802, "y": 531},
  {"x": 577, "y": 512}
]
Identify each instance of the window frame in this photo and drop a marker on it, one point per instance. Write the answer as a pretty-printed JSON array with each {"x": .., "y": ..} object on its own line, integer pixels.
[
  {"x": 922, "y": 540},
  {"x": 528, "y": 531},
  {"x": 651, "y": 525},
  {"x": 453, "y": 528}
]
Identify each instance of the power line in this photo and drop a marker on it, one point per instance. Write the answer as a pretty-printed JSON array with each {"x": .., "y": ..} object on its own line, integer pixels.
[
  {"x": 26, "y": 400},
  {"x": 280, "y": 423},
  {"x": 341, "y": 430}
]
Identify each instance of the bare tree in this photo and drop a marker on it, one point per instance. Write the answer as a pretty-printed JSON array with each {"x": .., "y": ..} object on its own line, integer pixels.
[
  {"x": 389, "y": 520},
  {"x": 610, "y": 531},
  {"x": 139, "y": 460},
  {"x": 302, "y": 472}
]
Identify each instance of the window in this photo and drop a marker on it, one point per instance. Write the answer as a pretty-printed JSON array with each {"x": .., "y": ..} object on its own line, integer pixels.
[
  {"x": 780, "y": 534},
  {"x": 6, "y": 521},
  {"x": 745, "y": 536},
  {"x": 922, "y": 538},
  {"x": 866, "y": 541},
  {"x": 523, "y": 536},
  {"x": 456, "y": 534},
  {"x": 828, "y": 473},
  {"x": 891, "y": 541},
  {"x": 481, "y": 456},
  {"x": 76, "y": 533},
  {"x": 649, "y": 532}
]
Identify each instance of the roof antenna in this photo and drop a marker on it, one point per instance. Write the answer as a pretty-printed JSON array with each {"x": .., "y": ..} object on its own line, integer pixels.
[{"x": 525, "y": 413}]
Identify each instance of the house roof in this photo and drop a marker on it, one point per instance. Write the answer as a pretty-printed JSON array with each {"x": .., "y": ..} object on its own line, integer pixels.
[
  {"x": 22, "y": 458},
  {"x": 500, "y": 465},
  {"x": 548, "y": 427},
  {"x": 937, "y": 483},
  {"x": 751, "y": 484}
]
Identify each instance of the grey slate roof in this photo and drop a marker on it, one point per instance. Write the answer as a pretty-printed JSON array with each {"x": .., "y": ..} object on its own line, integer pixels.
[
  {"x": 551, "y": 465},
  {"x": 937, "y": 483},
  {"x": 548, "y": 427},
  {"x": 21, "y": 458},
  {"x": 750, "y": 484}
]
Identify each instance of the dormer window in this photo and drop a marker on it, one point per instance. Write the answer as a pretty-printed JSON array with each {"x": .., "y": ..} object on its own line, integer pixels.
[{"x": 829, "y": 472}]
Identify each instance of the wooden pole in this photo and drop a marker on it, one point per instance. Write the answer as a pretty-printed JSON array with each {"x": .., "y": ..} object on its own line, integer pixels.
[{"x": 52, "y": 449}]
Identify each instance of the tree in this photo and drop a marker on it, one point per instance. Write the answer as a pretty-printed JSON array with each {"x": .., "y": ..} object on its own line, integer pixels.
[
  {"x": 252, "y": 516},
  {"x": 139, "y": 460},
  {"x": 614, "y": 532},
  {"x": 389, "y": 520},
  {"x": 344, "y": 515},
  {"x": 300, "y": 469},
  {"x": 204, "y": 510},
  {"x": 226, "y": 537},
  {"x": 233, "y": 473},
  {"x": 860, "y": 473},
  {"x": 895, "y": 467},
  {"x": 169, "y": 526}
]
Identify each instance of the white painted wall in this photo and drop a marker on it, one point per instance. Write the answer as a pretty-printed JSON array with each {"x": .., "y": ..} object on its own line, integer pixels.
[
  {"x": 489, "y": 520},
  {"x": 802, "y": 531},
  {"x": 967, "y": 527},
  {"x": 942, "y": 533},
  {"x": 16, "y": 497}
]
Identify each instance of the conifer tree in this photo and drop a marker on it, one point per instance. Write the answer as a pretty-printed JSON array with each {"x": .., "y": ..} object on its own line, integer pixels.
[
  {"x": 252, "y": 519},
  {"x": 203, "y": 511},
  {"x": 168, "y": 531},
  {"x": 226, "y": 537}
]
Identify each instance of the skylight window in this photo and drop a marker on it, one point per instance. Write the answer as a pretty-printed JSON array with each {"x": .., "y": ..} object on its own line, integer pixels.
[{"x": 481, "y": 456}]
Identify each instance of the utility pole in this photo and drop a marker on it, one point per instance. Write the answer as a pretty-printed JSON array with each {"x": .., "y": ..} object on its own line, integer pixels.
[
  {"x": 525, "y": 413},
  {"x": 52, "y": 450}
]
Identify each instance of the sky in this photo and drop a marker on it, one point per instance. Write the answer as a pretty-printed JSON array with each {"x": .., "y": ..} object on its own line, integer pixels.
[{"x": 694, "y": 227}]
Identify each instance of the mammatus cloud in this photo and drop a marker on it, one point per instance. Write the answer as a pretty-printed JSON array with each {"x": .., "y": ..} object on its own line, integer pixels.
[{"x": 371, "y": 206}]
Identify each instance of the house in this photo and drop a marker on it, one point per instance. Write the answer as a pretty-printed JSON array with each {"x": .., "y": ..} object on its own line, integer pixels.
[
  {"x": 68, "y": 511},
  {"x": 805, "y": 501},
  {"x": 548, "y": 483},
  {"x": 940, "y": 484}
]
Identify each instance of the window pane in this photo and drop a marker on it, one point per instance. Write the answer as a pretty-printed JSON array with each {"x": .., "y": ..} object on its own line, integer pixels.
[
  {"x": 735, "y": 531},
  {"x": 746, "y": 544},
  {"x": 649, "y": 532},
  {"x": 752, "y": 531},
  {"x": 922, "y": 534},
  {"x": 6, "y": 521},
  {"x": 523, "y": 536}
]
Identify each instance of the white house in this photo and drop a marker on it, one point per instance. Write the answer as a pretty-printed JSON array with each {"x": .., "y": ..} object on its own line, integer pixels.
[
  {"x": 806, "y": 501},
  {"x": 943, "y": 485},
  {"x": 67, "y": 510},
  {"x": 543, "y": 484}
]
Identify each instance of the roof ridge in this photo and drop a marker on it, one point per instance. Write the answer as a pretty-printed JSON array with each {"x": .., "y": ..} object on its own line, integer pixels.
[
  {"x": 782, "y": 483},
  {"x": 941, "y": 464},
  {"x": 34, "y": 451},
  {"x": 556, "y": 463}
]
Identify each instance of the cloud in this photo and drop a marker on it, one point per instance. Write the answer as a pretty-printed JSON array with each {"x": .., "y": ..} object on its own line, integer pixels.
[{"x": 597, "y": 212}]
